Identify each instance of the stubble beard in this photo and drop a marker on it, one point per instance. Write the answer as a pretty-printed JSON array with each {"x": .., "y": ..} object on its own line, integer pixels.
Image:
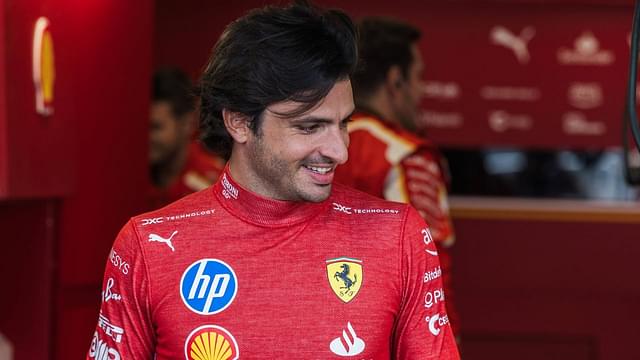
[{"x": 277, "y": 177}]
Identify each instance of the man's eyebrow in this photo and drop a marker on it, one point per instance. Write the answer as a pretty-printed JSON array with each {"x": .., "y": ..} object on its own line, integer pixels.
[
  {"x": 311, "y": 119},
  {"x": 316, "y": 119}
]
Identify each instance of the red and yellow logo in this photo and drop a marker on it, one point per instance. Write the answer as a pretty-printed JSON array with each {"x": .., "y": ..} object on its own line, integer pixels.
[
  {"x": 345, "y": 277},
  {"x": 44, "y": 72},
  {"x": 211, "y": 342}
]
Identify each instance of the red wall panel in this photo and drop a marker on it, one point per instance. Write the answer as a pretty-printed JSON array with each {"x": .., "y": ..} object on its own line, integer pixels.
[
  {"x": 91, "y": 154},
  {"x": 110, "y": 62},
  {"x": 26, "y": 272},
  {"x": 110, "y": 67}
]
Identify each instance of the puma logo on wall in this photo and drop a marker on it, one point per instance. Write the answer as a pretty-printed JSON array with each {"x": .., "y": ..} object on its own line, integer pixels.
[{"x": 517, "y": 43}]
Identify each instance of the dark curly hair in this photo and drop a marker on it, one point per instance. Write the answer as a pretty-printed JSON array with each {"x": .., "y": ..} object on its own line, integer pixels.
[
  {"x": 383, "y": 42},
  {"x": 174, "y": 86},
  {"x": 273, "y": 54}
]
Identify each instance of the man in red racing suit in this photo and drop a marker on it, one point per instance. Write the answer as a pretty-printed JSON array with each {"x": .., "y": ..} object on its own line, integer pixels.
[
  {"x": 269, "y": 279},
  {"x": 274, "y": 261}
]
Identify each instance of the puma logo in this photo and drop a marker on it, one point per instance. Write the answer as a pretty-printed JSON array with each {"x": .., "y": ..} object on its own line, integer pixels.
[
  {"x": 518, "y": 44},
  {"x": 158, "y": 238}
]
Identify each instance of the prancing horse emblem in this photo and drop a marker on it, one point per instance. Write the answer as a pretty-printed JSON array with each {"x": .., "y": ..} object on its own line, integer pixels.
[{"x": 345, "y": 277}]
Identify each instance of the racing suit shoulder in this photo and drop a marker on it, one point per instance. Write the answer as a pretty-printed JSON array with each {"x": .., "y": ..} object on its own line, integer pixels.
[
  {"x": 397, "y": 143},
  {"x": 147, "y": 248},
  {"x": 375, "y": 148},
  {"x": 196, "y": 202},
  {"x": 124, "y": 329},
  {"x": 361, "y": 202},
  {"x": 175, "y": 228}
]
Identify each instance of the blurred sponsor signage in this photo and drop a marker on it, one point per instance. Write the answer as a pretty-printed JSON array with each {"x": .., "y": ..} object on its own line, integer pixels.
[
  {"x": 549, "y": 78},
  {"x": 43, "y": 72}
]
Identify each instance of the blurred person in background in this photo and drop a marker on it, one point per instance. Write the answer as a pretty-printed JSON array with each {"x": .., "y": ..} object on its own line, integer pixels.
[
  {"x": 386, "y": 159},
  {"x": 178, "y": 164}
]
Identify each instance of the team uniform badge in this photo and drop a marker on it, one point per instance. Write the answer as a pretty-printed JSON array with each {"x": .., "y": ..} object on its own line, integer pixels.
[{"x": 345, "y": 277}]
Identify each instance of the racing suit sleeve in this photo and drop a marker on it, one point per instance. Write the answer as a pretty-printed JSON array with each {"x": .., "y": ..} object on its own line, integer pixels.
[
  {"x": 124, "y": 329},
  {"x": 422, "y": 328},
  {"x": 419, "y": 179}
]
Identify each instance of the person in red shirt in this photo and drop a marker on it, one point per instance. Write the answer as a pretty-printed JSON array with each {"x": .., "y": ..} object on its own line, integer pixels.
[
  {"x": 178, "y": 165},
  {"x": 274, "y": 261},
  {"x": 386, "y": 159}
]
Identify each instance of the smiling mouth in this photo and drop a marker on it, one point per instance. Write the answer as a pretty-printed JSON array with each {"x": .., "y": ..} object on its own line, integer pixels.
[{"x": 319, "y": 170}]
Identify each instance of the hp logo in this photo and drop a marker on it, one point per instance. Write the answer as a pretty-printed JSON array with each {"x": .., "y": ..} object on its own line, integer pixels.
[{"x": 208, "y": 286}]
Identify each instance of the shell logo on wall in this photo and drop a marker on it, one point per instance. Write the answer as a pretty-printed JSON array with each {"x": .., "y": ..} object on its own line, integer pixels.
[{"x": 44, "y": 72}]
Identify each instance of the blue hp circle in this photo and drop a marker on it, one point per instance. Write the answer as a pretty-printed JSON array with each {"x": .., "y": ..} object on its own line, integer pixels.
[{"x": 208, "y": 286}]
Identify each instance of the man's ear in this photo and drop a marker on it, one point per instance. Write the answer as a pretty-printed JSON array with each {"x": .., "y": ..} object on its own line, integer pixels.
[
  {"x": 237, "y": 125},
  {"x": 394, "y": 80}
]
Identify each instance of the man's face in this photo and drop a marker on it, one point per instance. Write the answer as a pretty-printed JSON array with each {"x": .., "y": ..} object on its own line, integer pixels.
[
  {"x": 407, "y": 104},
  {"x": 295, "y": 158},
  {"x": 166, "y": 134}
]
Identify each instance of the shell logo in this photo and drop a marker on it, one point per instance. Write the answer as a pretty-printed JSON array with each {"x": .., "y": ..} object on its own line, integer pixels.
[
  {"x": 43, "y": 69},
  {"x": 211, "y": 342}
]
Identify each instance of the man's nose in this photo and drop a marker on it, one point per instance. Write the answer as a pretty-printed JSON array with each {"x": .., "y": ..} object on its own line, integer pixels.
[{"x": 335, "y": 145}]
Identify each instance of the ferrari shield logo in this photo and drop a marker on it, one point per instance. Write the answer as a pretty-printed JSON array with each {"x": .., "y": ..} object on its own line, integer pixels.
[{"x": 345, "y": 277}]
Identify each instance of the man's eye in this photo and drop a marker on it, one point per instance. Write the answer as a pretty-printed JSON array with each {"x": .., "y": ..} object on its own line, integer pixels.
[{"x": 308, "y": 129}]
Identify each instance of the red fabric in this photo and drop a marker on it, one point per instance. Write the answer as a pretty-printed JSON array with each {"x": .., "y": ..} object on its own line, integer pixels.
[
  {"x": 284, "y": 306},
  {"x": 201, "y": 170},
  {"x": 369, "y": 168}
]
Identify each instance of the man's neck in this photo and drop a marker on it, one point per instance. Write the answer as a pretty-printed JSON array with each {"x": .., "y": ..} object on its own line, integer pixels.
[
  {"x": 239, "y": 170},
  {"x": 379, "y": 105}
]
